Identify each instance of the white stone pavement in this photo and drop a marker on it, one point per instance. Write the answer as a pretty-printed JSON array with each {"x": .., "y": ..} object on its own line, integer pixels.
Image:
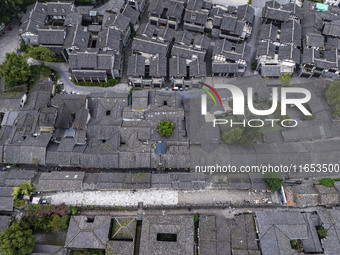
[
  {"x": 116, "y": 198},
  {"x": 156, "y": 197}
]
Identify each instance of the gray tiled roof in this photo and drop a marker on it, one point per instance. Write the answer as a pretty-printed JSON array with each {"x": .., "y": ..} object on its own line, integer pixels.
[
  {"x": 158, "y": 66},
  {"x": 177, "y": 67},
  {"x": 187, "y": 52},
  {"x": 232, "y": 51},
  {"x": 294, "y": 9},
  {"x": 266, "y": 49},
  {"x": 276, "y": 229},
  {"x": 136, "y": 65},
  {"x": 195, "y": 17},
  {"x": 314, "y": 40},
  {"x": 131, "y": 13},
  {"x": 195, "y": 5},
  {"x": 60, "y": 8},
  {"x": 78, "y": 37},
  {"x": 268, "y": 32},
  {"x": 246, "y": 12},
  {"x": 118, "y": 21},
  {"x": 271, "y": 70},
  {"x": 197, "y": 68},
  {"x": 289, "y": 52},
  {"x": 332, "y": 28},
  {"x": 82, "y": 234},
  {"x": 181, "y": 225},
  {"x": 72, "y": 19},
  {"x": 291, "y": 33},
  {"x": 229, "y": 23},
  {"x": 148, "y": 46},
  {"x": 174, "y": 8},
  {"x": 51, "y": 36},
  {"x": 109, "y": 38},
  {"x": 184, "y": 37},
  {"x": 276, "y": 14},
  {"x": 224, "y": 67}
]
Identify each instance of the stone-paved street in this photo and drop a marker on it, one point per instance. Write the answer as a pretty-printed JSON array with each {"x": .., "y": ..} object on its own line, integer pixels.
[
  {"x": 156, "y": 197},
  {"x": 9, "y": 41}
]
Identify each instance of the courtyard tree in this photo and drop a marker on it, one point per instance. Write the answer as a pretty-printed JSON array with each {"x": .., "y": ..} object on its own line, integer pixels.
[
  {"x": 15, "y": 70},
  {"x": 232, "y": 136},
  {"x": 18, "y": 192},
  {"x": 41, "y": 53},
  {"x": 274, "y": 180},
  {"x": 285, "y": 79},
  {"x": 333, "y": 92},
  {"x": 16, "y": 240},
  {"x": 245, "y": 135},
  {"x": 166, "y": 128}
]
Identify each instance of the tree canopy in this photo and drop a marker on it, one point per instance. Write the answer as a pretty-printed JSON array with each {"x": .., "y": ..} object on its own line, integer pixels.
[
  {"x": 243, "y": 135},
  {"x": 15, "y": 70},
  {"x": 166, "y": 128},
  {"x": 232, "y": 136},
  {"x": 274, "y": 181},
  {"x": 12, "y": 7},
  {"x": 16, "y": 240},
  {"x": 41, "y": 53},
  {"x": 285, "y": 79},
  {"x": 333, "y": 92}
]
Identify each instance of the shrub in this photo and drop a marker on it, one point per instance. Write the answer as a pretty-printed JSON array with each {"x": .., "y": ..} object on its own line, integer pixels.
[
  {"x": 166, "y": 128},
  {"x": 23, "y": 46},
  {"x": 322, "y": 232},
  {"x": 285, "y": 79},
  {"x": 55, "y": 222},
  {"x": 328, "y": 182},
  {"x": 254, "y": 65},
  {"x": 74, "y": 210},
  {"x": 65, "y": 220},
  {"x": 333, "y": 92},
  {"x": 274, "y": 181},
  {"x": 295, "y": 245}
]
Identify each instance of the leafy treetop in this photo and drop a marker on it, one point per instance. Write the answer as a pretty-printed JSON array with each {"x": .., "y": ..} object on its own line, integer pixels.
[
  {"x": 166, "y": 128},
  {"x": 15, "y": 70}
]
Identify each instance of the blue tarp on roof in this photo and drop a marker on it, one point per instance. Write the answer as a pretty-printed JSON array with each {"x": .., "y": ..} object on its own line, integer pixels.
[{"x": 160, "y": 148}]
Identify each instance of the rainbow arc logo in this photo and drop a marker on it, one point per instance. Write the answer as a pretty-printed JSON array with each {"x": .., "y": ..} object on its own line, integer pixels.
[{"x": 204, "y": 97}]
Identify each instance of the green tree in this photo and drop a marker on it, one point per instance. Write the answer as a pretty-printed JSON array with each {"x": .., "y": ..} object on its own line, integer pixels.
[
  {"x": 15, "y": 70},
  {"x": 274, "y": 181},
  {"x": 41, "y": 53},
  {"x": 333, "y": 92},
  {"x": 250, "y": 135},
  {"x": 55, "y": 222},
  {"x": 166, "y": 128},
  {"x": 8, "y": 8},
  {"x": 232, "y": 136},
  {"x": 24, "y": 189},
  {"x": 16, "y": 240},
  {"x": 65, "y": 220},
  {"x": 285, "y": 79},
  {"x": 245, "y": 136}
]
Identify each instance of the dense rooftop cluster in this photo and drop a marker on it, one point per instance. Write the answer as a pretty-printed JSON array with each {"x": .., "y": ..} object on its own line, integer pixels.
[
  {"x": 91, "y": 41},
  {"x": 299, "y": 39},
  {"x": 99, "y": 130},
  {"x": 163, "y": 40}
]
